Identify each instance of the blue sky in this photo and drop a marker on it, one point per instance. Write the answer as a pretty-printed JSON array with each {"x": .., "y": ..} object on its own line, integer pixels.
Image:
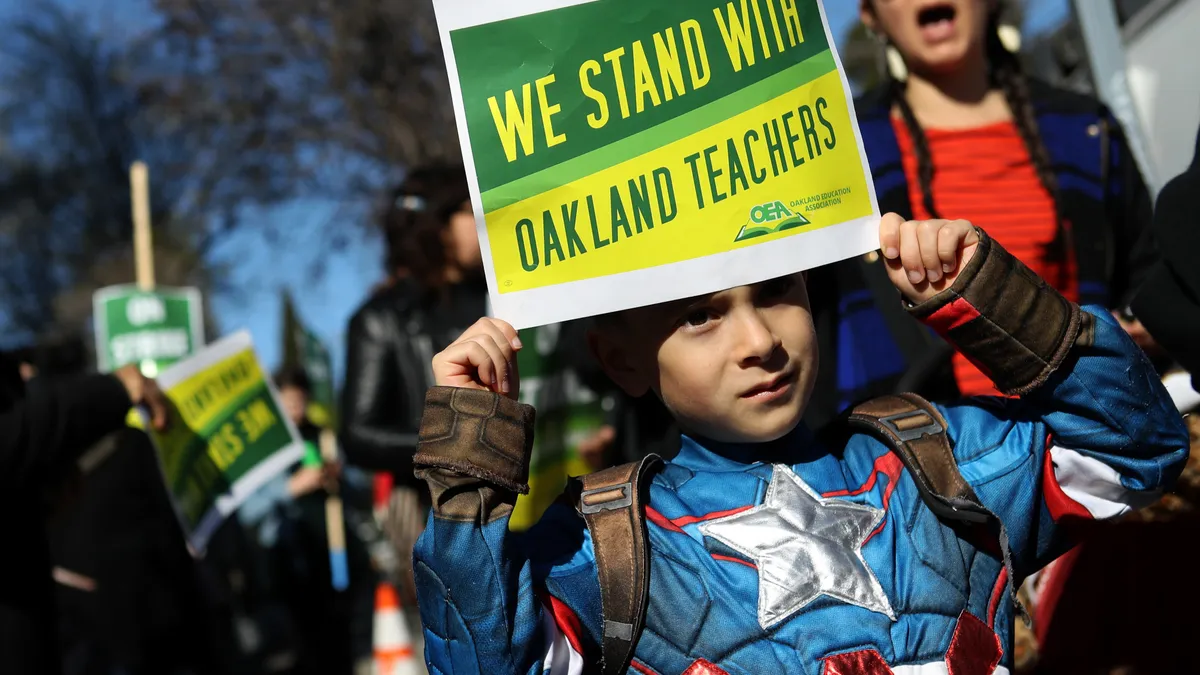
[{"x": 326, "y": 302}]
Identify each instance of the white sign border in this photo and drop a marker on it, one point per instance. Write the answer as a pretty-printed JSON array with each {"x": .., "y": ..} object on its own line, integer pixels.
[{"x": 639, "y": 288}]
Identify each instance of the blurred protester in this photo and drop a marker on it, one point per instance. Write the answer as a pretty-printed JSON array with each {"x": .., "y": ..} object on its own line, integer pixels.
[
  {"x": 1169, "y": 301},
  {"x": 26, "y": 360},
  {"x": 965, "y": 134},
  {"x": 295, "y": 394},
  {"x": 574, "y": 431},
  {"x": 42, "y": 436},
  {"x": 128, "y": 590},
  {"x": 633, "y": 427},
  {"x": 128, "y": 593},
  {"x": 331, "y": 629}
]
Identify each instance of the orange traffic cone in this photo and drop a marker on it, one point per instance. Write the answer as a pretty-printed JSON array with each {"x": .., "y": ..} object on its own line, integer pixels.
[{"x": 393, "y": 641}]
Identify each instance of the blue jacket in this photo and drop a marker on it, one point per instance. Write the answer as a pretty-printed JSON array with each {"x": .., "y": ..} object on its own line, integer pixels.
[
  {"x": 793, "y": 557},
  {"x": 1103, "y": 198}
]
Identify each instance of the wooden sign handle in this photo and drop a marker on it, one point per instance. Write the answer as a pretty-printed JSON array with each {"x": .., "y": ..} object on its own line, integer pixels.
[
  {"x": 334, "y": 520},
  {"x": 143, "y": 243}
]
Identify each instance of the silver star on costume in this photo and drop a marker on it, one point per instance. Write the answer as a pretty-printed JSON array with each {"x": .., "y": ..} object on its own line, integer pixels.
[{"x": 804, "y": 546}]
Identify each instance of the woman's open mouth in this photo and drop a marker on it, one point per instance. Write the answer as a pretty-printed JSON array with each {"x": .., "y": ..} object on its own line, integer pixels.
[{"x": 936, "y": 22}]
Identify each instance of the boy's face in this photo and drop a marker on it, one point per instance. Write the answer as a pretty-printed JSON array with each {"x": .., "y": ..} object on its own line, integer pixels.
[{"x": 734, "y": 366}]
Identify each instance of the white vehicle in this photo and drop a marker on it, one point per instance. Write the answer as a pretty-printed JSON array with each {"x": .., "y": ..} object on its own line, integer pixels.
[{"x": 1163, "y": 59}]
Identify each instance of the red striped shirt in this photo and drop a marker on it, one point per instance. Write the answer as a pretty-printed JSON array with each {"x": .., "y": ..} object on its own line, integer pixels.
[{"x": 985, "y": 175}]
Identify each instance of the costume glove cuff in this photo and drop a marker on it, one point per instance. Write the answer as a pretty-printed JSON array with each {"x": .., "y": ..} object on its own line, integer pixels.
[
  {"x": 477, "y": 433},
  {"x": 1005, "y": 319}
]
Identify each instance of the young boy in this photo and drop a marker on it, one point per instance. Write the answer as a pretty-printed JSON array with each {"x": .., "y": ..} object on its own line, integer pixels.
[{"x": 769, "y": 552}]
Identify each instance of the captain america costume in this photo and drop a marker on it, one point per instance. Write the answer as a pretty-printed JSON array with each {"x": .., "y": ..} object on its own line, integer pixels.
[{"x": 794, "y": 557}]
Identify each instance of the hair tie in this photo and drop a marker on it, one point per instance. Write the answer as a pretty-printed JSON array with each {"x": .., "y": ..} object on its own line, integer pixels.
[{"x": 410, "y": 203}]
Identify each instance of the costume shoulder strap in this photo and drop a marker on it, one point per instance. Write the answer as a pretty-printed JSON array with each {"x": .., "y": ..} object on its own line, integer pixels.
[
  {"x": 612, "y": 503},
  {"x": 914, "y": 429}
]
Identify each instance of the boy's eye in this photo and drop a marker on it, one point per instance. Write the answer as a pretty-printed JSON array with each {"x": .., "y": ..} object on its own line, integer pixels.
[{"x": 696, "y": 317}]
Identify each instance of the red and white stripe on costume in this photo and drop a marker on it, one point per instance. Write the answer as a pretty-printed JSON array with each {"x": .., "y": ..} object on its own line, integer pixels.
[
  {"x": 564, "y": 648},
  {"x": 1074, "y": 484}
]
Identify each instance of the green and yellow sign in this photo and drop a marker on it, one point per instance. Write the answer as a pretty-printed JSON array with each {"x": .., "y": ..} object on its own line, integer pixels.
[
  {"x": 627, "y": 152},
  {"x": 228, "y": 435}
]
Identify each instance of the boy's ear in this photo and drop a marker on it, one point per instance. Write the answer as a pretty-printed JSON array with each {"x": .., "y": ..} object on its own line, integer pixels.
[{"x": 617, "y": 364}]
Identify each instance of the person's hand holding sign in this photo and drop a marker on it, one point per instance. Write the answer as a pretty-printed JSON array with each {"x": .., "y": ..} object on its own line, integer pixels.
[
  {"x": 924, "y": 257},
  {"x": 483, "y": 357},
  {"x": 144, "y": 392}
]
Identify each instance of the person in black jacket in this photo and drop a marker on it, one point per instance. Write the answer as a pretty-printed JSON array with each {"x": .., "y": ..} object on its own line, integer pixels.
[
  {"x": 1113, "y": 601},
  {"x": 42, "y": 436},
  {"x": 140, "y": 606},
  {"x": 128, "y": 590},
  {"x": 1169, "y": 302},
  {"x": 435, "y": 289}
]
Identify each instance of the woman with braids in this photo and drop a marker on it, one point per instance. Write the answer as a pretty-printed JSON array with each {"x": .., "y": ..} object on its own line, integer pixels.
[{"x": 965, "y": 134}]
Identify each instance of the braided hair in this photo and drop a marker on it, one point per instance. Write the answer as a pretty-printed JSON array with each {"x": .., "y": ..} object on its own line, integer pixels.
[{"x": 1006, "y": 74}]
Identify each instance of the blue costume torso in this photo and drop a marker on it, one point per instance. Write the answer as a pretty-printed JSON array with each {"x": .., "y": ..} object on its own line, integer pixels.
[{"x": 791, "y": 557}]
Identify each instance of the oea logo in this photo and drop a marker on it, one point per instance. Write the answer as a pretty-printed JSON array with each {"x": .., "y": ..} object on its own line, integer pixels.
[{"x": 769, "y": 212}]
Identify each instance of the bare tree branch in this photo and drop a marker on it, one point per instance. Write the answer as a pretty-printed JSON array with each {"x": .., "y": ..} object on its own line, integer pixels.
[{"x": 72, "y": 123}]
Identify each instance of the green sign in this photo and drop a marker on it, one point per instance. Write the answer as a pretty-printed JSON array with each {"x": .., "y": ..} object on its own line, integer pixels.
[
  {"x": 153, "y": 329},
  {"x": 302, "y": 348},
  {"x": 228, "y": 435},
  {"x": 318, "y": 365}
]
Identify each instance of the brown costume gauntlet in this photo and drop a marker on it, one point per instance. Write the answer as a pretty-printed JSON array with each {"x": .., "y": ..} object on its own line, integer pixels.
[
  {"x": 1006, "y": 319},
  {"x": 474, "y": 452}
]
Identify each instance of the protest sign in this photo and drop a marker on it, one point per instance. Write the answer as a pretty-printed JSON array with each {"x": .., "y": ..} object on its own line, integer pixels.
[
  {"x": 152, "y": 329},
  {"x": 318, "y": 365},
  {"x": 228, "y": 436},
  {"x": 628, "y": 152},
  {"x": 304, "y": 349}
]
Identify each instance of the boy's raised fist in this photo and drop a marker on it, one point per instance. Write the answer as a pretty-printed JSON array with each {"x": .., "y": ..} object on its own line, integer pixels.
[
  {"x": 483, "y": 357},
  {"x": 924, "y": 257}
]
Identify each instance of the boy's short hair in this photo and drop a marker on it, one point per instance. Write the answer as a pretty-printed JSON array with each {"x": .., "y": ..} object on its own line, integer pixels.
[
  {"x": 606, "y": 321},
  {"x": 295, "y": 378}
]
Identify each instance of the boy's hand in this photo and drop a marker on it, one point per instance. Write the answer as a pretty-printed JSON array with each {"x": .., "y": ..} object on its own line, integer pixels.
[
  {"x": 924, "y": 256},
  {"x": 484, "y": 357}
]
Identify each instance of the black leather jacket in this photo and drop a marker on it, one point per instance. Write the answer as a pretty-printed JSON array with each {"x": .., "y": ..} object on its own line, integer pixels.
[{"x": 390, "y": 343}]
